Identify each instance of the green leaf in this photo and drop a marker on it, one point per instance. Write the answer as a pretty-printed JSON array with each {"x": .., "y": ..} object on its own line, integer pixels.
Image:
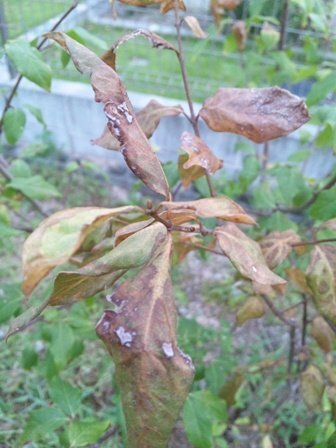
[
  {"x": 10, "y": 299},
  {"x": 19, "y": 168},
  {"x": 324, "y": 207},
  {"x": 202, "y": 411},
  {"x": 85, "y": 432},
  {"x": 35, "y": 187},
  {"x": 331, "y": 442},
  {"x": 41, "y": 422},
  {"x": 29, "y": 358},
  {"x": 28, "y": 62},
  {"x": 14, "y": 124},
  {"x": 63, "y": 339},
  {"x": 321, "y": 88},
  {"x": 36, "y": 112},
  {"x": 65, "y": 396}
]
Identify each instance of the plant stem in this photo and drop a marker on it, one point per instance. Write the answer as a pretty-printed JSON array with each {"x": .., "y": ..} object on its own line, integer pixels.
[
  {"x": 283, "y": 27},
  {"x": 20, "y": 77},
  {"x": 193, "y": 118},
  {"x": 314, "y": 242},
  {"x": 278, "y": 313}
]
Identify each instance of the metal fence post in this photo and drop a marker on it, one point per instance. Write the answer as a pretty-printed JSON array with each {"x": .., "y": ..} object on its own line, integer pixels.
[{"x": 4, "y": 37}]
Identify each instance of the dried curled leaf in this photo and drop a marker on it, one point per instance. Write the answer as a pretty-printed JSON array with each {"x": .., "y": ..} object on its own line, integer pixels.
[
  {"x": 128, "y": 230},
  {"x": 58, "y": 237},
  {"x": 148, "y": 118},
  {"x": 153, "y": 374},
  {"x": 168, "y": 5},
  {"x": 253, "y": 308},
  {"x": 240, "y": 33},
  {"x": 277, "y": 246},
  {"x": 246, "y": 255},
  {"x": 312, "y": 387},
  {"x": 330, "y": 225},
  {"x": 323, "y": 334},
  {"x": 222, "y": 208},
  {"x": 195, "y": 27},
  {"x": 122, "y": 122},
  {"x": 299, "y": 279},
  {"x": 191, "y": 174},
  {"x": 258, "y": 114},
  {"x": 321, "y": 277},
  {"x": 199, "y": 154}
]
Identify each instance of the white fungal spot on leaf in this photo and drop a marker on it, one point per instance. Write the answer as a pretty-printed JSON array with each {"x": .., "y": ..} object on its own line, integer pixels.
[
  {"x": 167, "y": 348},
  {"x": 125, "y": 337}
]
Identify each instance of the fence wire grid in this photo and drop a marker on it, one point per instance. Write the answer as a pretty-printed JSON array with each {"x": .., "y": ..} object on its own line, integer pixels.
[{"x": 210, "y": 63}]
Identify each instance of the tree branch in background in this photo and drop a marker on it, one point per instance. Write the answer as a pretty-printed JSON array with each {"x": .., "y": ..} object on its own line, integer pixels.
[
  {"x": 193, "y": 118},
  {"x": 283, "y": 26},
  {"x": 278, "y": 313}
]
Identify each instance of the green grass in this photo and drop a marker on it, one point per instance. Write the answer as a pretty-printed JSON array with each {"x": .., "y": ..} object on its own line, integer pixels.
[{"x": 22, "y": 15}]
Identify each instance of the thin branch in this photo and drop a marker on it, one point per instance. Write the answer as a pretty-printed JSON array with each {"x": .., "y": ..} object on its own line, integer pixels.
[
  {"x": 291, "y": 352},
  {"x": 20, "y": 77},
  {"x": 193, "y": 118},
  {"x": 314, "y": 242},
  {"x": 108, "y": 434},
  {"x": 284, "y": 23},
  {"x": 278, "y": 313},
  {"x": 5, "y": 172},
  {"x": 301, "y": 364}
]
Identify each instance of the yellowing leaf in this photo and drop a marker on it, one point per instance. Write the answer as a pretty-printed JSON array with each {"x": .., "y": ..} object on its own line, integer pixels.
[
  {"x": 135, "y": 251},
  {"x": 321, "y": 276},
  {"x": 277, "y": 246},
  {"x": 195, "y": 27},
  {"x": 122, "y": 122},
  {"x": 312, "y": 387},
  {"x": 58, "y": 237},
  {"x": 253, "y": 308},
  {"x": 258, "y": 114},
  {"x": 153, "y": 374},
  {"x": 323, "y": 334},
  {"x": 191, "y": 174},
  {"x": 199, "y": 154},
  {"x": 72, "y": 286},
  {"x": 245, "y": 254},
  {"x": 222, "y": 208}
]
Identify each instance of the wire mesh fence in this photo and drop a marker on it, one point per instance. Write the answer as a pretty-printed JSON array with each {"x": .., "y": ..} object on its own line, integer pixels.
[{"x": 211, "y": 63}]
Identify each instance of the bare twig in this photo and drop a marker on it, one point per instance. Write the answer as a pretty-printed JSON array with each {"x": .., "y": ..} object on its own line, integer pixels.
[
  {"x": 291, "y": 352},
  {"x": 193, "y": 118},
  {"x": 278, "y": 313},
  {"x": 314, "y": 242},
  {"x": 283, "y": 27},
  {"x": 108, "y": 434},
  {"x": 301, "y": 364}
]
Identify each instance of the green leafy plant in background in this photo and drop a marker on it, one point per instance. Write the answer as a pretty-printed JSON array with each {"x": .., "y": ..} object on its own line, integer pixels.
[{"x": 132, "y": 246}]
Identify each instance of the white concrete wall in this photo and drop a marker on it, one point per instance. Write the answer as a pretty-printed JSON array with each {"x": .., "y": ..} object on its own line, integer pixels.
[{"x": 75, "y": 119}]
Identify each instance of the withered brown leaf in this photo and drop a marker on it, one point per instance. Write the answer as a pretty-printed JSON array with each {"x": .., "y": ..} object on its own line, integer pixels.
[
  {"x": 276, "y": 246},
  {"x": 253, "y": 308},
  {"x": 122, "y": 122},
  {"x": 191, "y": 174},
  {"x": 245, "y": 254},
  {"x": 239, "y": 31},
  {"x": 323, "y": 334},
  {"x": 199, "y": 154},
  {"x": 258, "y": 114},
  {"x": 222, "y": 208},
  {"x": 195, "y": 27},
  {"x": 148, "y": 118},
  {"x": 153, "y": 374}
]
